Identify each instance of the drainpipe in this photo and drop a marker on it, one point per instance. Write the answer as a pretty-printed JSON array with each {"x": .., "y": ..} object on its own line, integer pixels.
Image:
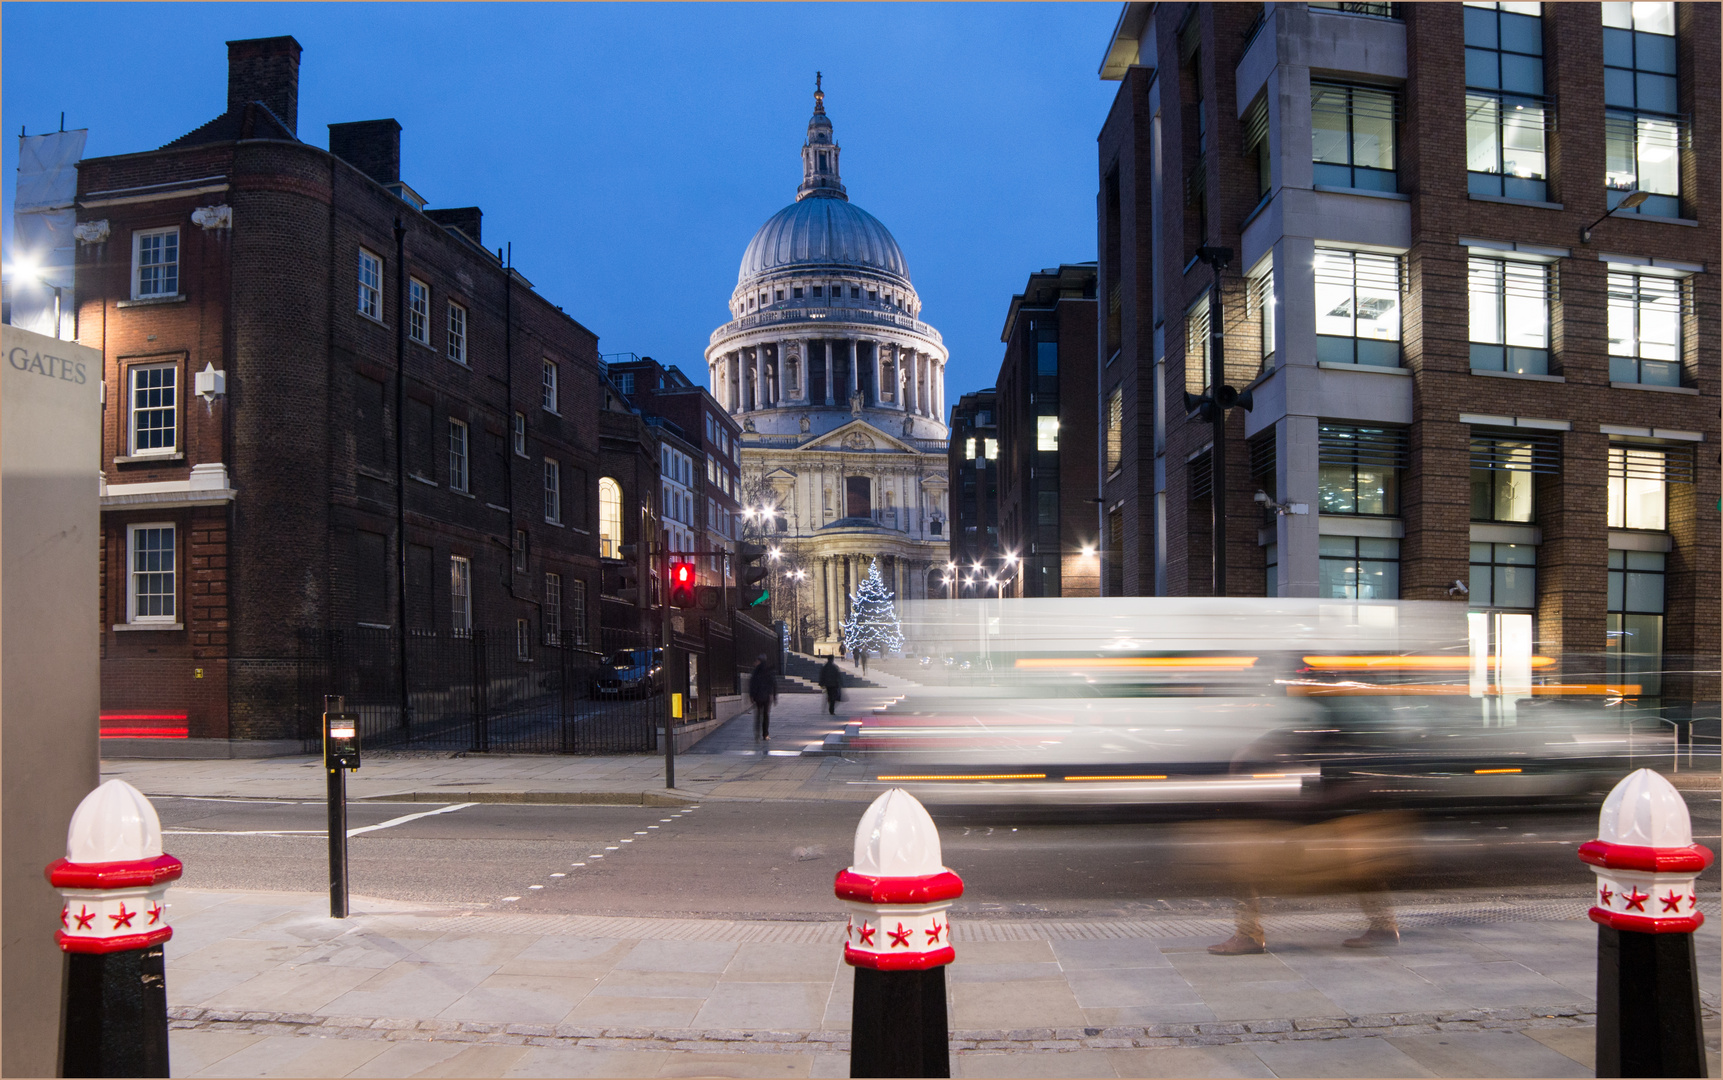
[{"x": 401, "y": 464}]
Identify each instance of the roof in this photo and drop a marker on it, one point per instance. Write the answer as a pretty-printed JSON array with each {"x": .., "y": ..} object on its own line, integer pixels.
[
  {"x": 253, "y": 120},
  {"x": 823, "y": 232}
]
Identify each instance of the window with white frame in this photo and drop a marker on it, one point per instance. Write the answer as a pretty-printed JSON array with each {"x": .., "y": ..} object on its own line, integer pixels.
[
  {"x": 609, "y": 518},
  {"x": 577, "y": 611},
  {"x": 457, "y": 333},
  {"x": 154, "y": 400},
  {"x": 523, "y": 639},
  {"x": 552, "y": 608},
  {"x": 1644, "y": 132},
  {"x": 457, "y": 455},
  {"x": 150, "y": 596},
  {"x": 370, "y": 285},
  {"x": 155, "y": 263},
  {"x": 550, "y": 402},
  {"x": 1644, "y": 329},
  {"x": 1509, "y": 304},
  {"x": 1357, "y": 308},
  {"x": 552, "y": 491},
  {"x": 418, "y": 311},
  {"x": 522, "y": 542},
  {"x": 460, "y": 595},
  {"x": 1262, "y": 309},
  {"x": 520, "y": 434},
  {"x": 1505, "y": 107}
]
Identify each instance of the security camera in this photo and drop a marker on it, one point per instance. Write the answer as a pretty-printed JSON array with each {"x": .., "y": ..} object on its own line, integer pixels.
[
  {"x": 1458, "y": 588},
  {"x": 1261, "y": 496}
]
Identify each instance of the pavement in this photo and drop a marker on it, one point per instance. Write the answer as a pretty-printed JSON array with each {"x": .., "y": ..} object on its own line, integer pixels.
[{"x": 267, "y": 984}]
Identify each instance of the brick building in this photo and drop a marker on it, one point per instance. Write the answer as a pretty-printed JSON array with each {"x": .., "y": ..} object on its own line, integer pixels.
[
  {"x": 306, "y": 367},
  {"x": 716, "y": 518},
  {"x": 1047, "y": 436},
  {"x": 1464, "y": 382},
  {"x": 974, "y": 471}
]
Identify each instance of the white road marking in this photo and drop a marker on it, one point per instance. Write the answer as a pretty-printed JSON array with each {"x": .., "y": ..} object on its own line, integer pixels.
[
  {"x": 510, "y": 899},
  {"x": 580, "y": 863},
  {"x": 403, "y": 819},
  {"x": 559, "y": 875},
  {"x": 535, "y": 886},
  {"x": 391, "y": 823}
]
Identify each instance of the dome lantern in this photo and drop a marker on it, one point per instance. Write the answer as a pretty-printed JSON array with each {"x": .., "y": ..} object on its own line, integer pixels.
[{"x": 820, "y": 179}]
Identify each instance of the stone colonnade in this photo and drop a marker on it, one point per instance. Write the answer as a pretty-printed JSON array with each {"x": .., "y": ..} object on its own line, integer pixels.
[{"x": 775, "y": 374}]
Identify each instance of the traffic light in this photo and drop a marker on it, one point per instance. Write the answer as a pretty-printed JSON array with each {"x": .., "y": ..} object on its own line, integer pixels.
[
  {"x": 750, "y": 572},
  {"x": 682, "y": 578}
]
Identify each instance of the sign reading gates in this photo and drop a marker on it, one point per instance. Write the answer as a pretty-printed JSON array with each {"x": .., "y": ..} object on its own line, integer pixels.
[{"x": 47, "y": 365}]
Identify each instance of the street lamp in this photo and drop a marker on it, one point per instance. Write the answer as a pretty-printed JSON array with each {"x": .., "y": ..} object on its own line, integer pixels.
[
  {"x": 29, "y": 268},
  {"x": 1628, "y": 202}
]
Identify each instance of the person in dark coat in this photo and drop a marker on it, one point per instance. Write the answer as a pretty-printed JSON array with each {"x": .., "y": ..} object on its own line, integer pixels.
[
  {"x": 763, "y": 692},
  {"x": 861, "y": 658},
  {"x": 833, "y": 681}
]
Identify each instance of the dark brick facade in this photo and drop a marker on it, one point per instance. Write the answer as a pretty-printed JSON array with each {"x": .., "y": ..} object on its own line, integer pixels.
[{"x": 309, "y": 424}]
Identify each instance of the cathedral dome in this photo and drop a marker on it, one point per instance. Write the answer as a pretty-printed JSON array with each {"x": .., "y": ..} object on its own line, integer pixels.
[{"x": 822, "y": 231}]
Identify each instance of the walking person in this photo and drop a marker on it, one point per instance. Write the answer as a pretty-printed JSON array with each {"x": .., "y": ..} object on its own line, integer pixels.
[
  {"x": 832, "y": 680},
  {"x": 763, "y": 692},
  {"x": 861, "y": 658}
]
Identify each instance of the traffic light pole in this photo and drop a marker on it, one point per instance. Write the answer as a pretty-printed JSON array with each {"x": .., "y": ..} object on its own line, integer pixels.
[{"x": 669, "y": 733}]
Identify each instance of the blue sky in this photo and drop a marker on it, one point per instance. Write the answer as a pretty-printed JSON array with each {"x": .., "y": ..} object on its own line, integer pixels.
[{"x": 630, "y": 151}]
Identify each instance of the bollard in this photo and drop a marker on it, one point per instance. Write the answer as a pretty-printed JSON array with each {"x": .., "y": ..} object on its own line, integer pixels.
[
  {"x": 113, "y": 880},
  {"x": 898, "y": 939},
  {"x": 1646, "y": 908}
]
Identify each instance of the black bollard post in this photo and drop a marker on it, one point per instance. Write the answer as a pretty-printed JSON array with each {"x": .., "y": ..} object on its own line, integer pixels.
[
  {"x": 340, "y": 755},
  {"x": 1647, "y": 909},
  {"x": 898, "y": 939},
  {"x": 113, "y": 881}
]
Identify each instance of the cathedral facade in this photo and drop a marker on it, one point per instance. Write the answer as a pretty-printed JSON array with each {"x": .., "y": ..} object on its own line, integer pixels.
[{"x": 840, "y": 390}]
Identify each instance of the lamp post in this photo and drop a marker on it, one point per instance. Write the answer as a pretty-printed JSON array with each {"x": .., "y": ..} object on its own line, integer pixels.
[{"x": 1628, "y": 202}]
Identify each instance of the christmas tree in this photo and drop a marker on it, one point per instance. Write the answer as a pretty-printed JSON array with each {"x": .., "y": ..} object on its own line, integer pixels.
[{"x": 872, "y": 624}]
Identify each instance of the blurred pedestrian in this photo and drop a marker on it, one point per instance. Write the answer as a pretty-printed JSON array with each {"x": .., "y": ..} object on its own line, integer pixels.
[
  {"x": 833, "y": 681},
  {"x": 763, "y": 692},
  {"x": 861, "y": 658}
]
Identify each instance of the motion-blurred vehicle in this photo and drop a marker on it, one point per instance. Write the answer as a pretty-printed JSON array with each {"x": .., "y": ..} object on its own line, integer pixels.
[
  {"x": 630, "y": 673},
  {"x": 1298, "y": 703}
]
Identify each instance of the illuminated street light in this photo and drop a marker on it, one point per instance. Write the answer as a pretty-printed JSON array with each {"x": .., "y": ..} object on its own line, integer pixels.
[{"x": 1088, "y": 551}]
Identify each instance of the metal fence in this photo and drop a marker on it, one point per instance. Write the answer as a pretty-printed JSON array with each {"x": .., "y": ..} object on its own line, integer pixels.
[{"x": 479, "y": 691}]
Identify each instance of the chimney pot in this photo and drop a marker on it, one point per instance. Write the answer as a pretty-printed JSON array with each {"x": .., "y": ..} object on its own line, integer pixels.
[
  {"x": 266, "y": 70},
  {"x": 371, "y": 146}
]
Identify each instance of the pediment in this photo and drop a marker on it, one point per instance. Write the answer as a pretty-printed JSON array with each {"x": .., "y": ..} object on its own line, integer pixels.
[{"x": 859, "y": 436}]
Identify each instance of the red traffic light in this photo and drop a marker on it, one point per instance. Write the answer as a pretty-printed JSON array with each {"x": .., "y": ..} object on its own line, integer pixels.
[{"x": 682, "y": 578}]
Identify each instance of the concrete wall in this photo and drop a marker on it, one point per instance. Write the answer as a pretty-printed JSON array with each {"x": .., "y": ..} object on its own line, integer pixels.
[{"x": 50, "y": 436}]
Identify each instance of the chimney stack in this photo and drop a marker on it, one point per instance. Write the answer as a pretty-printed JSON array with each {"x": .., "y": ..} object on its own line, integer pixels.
[
  {"x": 266, "y": 70},
  {"x": 466, "y": 219},
  {"x": 371, "y": 146}
]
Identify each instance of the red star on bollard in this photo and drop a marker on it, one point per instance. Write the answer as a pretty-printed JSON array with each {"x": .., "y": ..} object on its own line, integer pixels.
[
  {"x": 867, "y": 933},
  {"x": 933, "y": 935},
  {"x": 1636, "y": 899},
  {"x": 84, "y": 916},
  {"x": 1608, "y": 895},
  {"x": 1672, "y": 902},
  {"x": 900, "y": 936},
  {"x": 849, "y": 928},
  {"x": 63, "y": 922},
  {"x": 155, "y": 914},
  {"x": 124, "y": 918}
]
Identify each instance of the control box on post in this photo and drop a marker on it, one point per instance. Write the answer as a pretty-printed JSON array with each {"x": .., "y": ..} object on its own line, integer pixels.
[{"x": 341, "y": 740}]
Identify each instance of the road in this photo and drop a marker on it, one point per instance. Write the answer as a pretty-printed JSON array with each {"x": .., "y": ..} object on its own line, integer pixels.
[{"x": 776, "y": 859}]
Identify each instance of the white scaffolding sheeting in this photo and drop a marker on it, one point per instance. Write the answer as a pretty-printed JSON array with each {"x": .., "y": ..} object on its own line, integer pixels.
[{"x": 43, "y": 216}]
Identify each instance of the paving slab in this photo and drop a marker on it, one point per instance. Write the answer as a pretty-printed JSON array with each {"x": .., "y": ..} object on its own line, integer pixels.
[{"x": 1487, "y": 1053}]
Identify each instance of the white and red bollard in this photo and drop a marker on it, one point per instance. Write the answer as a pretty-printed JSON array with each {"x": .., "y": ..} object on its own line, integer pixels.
[
  {"x": 1646, "y": 908},
  {"x": 898, "y": 939},
  {"x": 114, "y": 879}
]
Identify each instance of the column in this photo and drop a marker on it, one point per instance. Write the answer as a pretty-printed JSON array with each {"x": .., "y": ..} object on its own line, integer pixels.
[
  {"x": 911, "y": 393},
  {"x": 855, "y": 365},
  {"x": 939, "y": 392},
  {"x": 801, "y": 373},
  {"x": 826, "y": 352}
]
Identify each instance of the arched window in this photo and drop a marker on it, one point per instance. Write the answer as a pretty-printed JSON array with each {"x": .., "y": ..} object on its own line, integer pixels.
[{"x": 609, "y": 518}]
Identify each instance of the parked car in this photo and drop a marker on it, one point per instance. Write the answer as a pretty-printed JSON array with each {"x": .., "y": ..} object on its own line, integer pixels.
[{"x": 630, "y": 673}]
